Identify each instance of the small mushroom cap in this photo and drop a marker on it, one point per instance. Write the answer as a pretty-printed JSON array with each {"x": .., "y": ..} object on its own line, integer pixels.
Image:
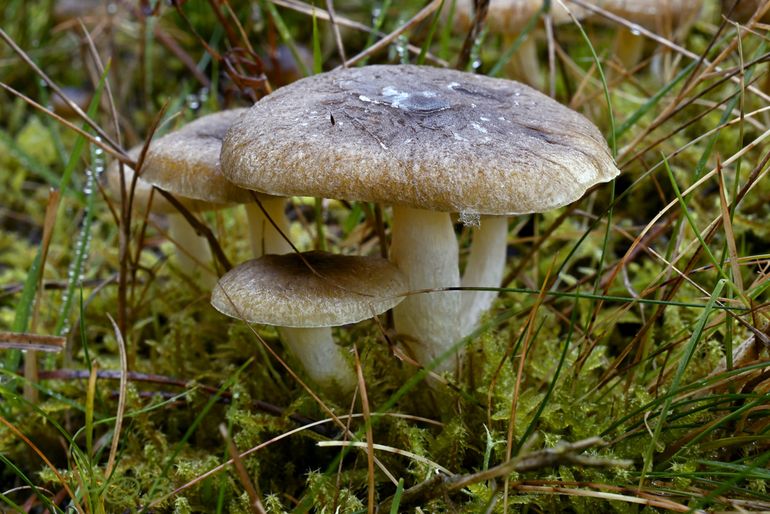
[
  {"x": 655, "y": 14},
  {"x": 186, "y": 162},
  {"x": 743, "y": 10},
  {"x": 423, "y": 137},
  {"x": 280, "y": 290},
  {"x": 510, "y": 16},
  {"x": 143, "y": 189}
]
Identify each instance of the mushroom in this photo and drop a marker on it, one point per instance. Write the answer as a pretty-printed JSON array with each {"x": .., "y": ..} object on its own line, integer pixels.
[
  {"x": 186, "y": 163},
  {"x": 743, "y": 10},
  {"x": 508, "y": 18},
  {"x": 429, "y": 141},
  {"x": 667, "y": 17},
  {"x": 305, "y": 294},
  {"x": 191, "y": 249}
]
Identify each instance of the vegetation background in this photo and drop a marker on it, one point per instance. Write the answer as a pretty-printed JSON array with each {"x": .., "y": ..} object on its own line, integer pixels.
[{"x": 624, "y": 367}]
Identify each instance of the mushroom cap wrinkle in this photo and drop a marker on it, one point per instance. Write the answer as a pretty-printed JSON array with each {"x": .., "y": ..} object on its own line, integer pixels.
[
  {"x": 281, "y": 290},
  {"x": 185, "y": 162},
  {"x": 418, "y": 136}
]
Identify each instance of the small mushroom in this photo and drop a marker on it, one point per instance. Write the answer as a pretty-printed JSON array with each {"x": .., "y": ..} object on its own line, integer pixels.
[
  {"x": 429, "y": 141},
  {"x": 666, "y": 17},
  {"x": 743, "y": 10},
  {"x": 305, "y": 294},
  {"x": 191, "y": 249},
  {"x": 186, "y": 163},
  {"x": 508, "y": 18}
]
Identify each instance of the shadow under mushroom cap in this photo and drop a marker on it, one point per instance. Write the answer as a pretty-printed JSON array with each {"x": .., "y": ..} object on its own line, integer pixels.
[
  {"x": 423, "y": 137},
  {"x": 281, "y": 290}
]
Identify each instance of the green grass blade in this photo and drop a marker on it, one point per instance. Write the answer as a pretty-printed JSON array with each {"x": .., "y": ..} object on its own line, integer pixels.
[
  {"x": 552, "y": 385},
  {"x": 379, "y": 20},
  {"x": 431, "y": 31},
  {"x": 83, "y": 242},
  {"x": 694, "y": 227},
  {"x": 194, "y": 425},
  {"x": 508, "y": 53},
  {"x": 397, "y": 496},
  {"x": 285, "y": 33},
  {"x": 653, "y": 101},
  {"x": 683, "y": 362}
]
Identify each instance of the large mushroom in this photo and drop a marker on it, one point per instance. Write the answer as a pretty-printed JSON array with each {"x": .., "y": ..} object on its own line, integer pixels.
[
  {"x": 428, "y": 141},
  {"x": 305, "y": 294}
]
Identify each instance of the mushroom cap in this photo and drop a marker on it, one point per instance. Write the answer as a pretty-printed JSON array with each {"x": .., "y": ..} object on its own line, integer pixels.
[
  {"x": 143, "y": 189},
  {"x": 281, "y": 290},
  {"x": 186, "y": 162},
  {"x": 743, "y": 10},
  {"x": 423, "y": 137},
  {"x": 653, "y": 14},
  {"x": 510, "y": 16}
]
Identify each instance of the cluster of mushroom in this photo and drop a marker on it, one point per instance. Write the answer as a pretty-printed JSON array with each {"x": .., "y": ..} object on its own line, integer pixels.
[{"x": 426, "y": 141}]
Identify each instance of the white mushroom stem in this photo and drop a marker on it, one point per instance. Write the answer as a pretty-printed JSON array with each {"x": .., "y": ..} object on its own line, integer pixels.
[
  {"x": 192, "y": 251},
  {"x": 485, "y": 268},
  {"x": 424, "y": 248},
  {"x": 264, "y": 238},
  {"x": 322, "y": 359}
]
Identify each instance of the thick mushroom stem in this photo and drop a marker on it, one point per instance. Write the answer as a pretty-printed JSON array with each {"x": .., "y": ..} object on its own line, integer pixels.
[
  {"x": 485, "y": 268},
  {"x": 424, "y": 248},
  {"x": 322, "y": 359},
  {"x": 192, "y": 251},
  {"x": 264, "y": 238}
]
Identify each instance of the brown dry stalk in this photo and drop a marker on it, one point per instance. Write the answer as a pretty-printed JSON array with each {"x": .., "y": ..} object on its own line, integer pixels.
[
  {"x": 564, "y": 454},
  {"x": 387, "y": 40},
  {"x": 243, "y": 475},
  {"x": 28, "y": 341}
]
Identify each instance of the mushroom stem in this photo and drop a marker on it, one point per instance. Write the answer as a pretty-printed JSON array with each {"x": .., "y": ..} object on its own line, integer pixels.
[
  {"x": 524, "y": 63},
  {"x": 485, "y": 268},
  {"x": 264, "y": 238},
  {"x": 322, "y": 359},
  {"x": 424, "y": 248},
  {"x": 628, "y": 47},
  {"x": 192, "y": 251}
]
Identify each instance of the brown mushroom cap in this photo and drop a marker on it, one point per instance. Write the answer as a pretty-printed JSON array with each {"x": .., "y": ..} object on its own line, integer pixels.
[
  {"x": 280, "y": 290},
  {"x": 510, "y": 16},
  {"x": 743, "y": 10},
  {"x": 143, "y": 189},
  {"x": 423, "y": 137},
  {"x": 653, "y": 14},
  {"x": 186, "y": 162}
]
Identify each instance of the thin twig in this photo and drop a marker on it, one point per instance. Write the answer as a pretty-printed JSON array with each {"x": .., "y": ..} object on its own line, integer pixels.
[
  {"x": 565, "y": 453},
  {"x": 121, "y": 398},
  {"x": 72, "y": 105},
  {"x": 26, "y": 341},
  {"x": 387, "y": 40},
  {"x": 336, "y": 30},
  {"x": 347, "y": 22},
  {"x": 243, "y": 475},
  {"x": 481, "y": 8}
]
